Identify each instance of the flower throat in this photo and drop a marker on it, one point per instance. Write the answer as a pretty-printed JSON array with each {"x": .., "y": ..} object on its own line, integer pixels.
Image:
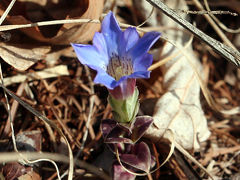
[{"x": 119, "y": 67}]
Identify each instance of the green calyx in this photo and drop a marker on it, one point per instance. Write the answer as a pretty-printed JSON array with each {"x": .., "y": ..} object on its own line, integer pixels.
[{"x": 124, "y": 111}]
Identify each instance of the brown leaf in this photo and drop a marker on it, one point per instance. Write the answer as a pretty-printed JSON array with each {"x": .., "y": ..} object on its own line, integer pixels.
[
  {"x": 179, "y": 108},
  {"x": 14, "y": 170},
  {"x": 30, "y": 176},
  {"x": 18, "y": 171},
  {"x": 60, "y": 34},
  {"x": 29, "y": 140},
  {"x": 22, "y": 57}
]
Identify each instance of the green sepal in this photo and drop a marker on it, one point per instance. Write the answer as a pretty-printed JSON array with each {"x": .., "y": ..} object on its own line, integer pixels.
[{"x": 124, "y": 111}]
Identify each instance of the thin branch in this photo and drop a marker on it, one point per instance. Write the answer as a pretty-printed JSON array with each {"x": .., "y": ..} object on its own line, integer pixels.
[
  {"x": 7, "y": 11},
  {"x": 219, "y": 22},
  {"x": 214, "y": 25},
  {"x": 48, "y": 23},
  {"x": 147, "y": 18},
  {"x": 9, "y": 112},
  {"x": 33, "y": 156},
  {"x": 227, "y": 52},
  {"x": 210, "y": 12},
  {"x": 90, "y": 113}
]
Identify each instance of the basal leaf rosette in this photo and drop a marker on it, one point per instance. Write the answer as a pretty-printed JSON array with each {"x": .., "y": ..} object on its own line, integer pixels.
[{"x": 123, "y": 139}]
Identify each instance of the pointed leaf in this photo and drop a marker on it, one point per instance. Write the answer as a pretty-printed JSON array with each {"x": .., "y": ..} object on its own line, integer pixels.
[
  {"x": 140, "y": 157},
  {"x": 106, "y": 126},
  {"x": 153, "y": 161},
  {"x": 122, "y": 148},
  {"x": 120, "y": 174},
  {"x": 119, "y": 131},
  {"x": 118, "y": 140},
  {"x": 139, "y": 126}
]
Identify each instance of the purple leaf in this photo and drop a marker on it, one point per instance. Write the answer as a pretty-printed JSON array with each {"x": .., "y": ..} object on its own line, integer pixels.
[
  {"x": 119, "y": 131},
  {"x": 119, "y": 173},
  {"x": 140, "y": 157},
  {"x": 125, "y": 127},
  {"x": 119, "y": 136},
  {"x": 153, "y": 161},
  {"x": 118, "y": 140},
  {"x": 122, "y": 148},
  {"x": 106, "y": 126},
  {"x": 139, "y": 127}
]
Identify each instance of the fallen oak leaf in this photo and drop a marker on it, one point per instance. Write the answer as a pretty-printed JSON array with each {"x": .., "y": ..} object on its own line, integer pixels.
[
  {"x": 22, "y": 57},
  {"x": 179, "y": 109}
]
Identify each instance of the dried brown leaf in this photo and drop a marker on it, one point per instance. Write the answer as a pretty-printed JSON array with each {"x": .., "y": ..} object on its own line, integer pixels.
[
  {"x": 29, "y": 140},
  {"x": 59, "y": 34},
  {"x": 30, "y": 176},
  {"x": 14, "y": 170},
  {"x": 21, "y": 57},
  {"x": 179, "y": 109}
]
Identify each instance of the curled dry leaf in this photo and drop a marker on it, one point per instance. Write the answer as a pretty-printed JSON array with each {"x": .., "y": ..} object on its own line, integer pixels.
[
  {"x": 179, "y": 109},
  {"x": 22, "y": 57},
  {"x": 31, "y": 11}
]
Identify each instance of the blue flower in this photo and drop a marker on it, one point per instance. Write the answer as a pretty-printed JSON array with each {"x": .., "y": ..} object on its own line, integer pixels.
[{"x": 117, "y": 56}]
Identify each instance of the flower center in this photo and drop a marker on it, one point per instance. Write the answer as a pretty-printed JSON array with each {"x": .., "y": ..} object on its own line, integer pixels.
[{"x": 119, "y": 67}]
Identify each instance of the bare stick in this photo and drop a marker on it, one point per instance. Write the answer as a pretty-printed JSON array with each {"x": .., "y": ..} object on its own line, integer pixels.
[
  {"x": 9, "y": 113},
  {"x": 7, "y": 11},
  {"x": 214, "y": 25},
  {"x": 33, "y": 156},
  {"x": 206, "y": 12},
  {"x": 220, "y": 24},
  {"x": 90, "y": 113},
  {"x": 227, "y": 52},
  {"x": 48, "y": 23}
]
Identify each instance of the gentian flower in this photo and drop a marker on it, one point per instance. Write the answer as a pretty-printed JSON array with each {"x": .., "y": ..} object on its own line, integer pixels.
[{"x": 119, "y": 57}]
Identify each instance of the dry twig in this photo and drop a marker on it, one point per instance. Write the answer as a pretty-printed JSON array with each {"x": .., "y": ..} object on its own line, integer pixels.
[{"x": 230, "y": 54}]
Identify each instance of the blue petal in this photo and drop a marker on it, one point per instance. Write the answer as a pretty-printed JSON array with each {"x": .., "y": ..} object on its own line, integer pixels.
[
  {"x": 135, "y": 75},
  {"x": 89, "y": 55},
  {"x": 142, "y": 63},
  {"x": 121, "y": 80},
  {"x": 103, "y": 78},
  {"x": 128, "y": 40},
  {"x": 100, "y": 43},
  {"x": 111, "y": 32},
  {"x": 144, "y": 44},
  {"x": 140, "y": 74},
  {"x": 108, "y": 81}
]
